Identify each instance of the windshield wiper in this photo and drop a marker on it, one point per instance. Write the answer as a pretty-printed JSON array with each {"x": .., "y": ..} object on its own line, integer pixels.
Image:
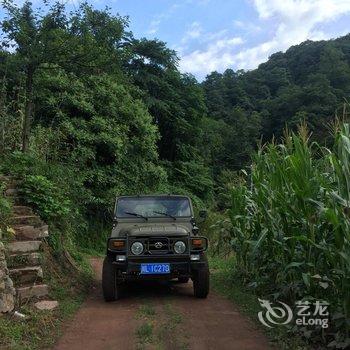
[
  {"x": 165, "y": 214},
  {"x": 136, "y": 214}
]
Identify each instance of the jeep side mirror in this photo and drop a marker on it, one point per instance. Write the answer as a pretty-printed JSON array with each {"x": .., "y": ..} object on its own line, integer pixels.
[{"x": 203, "y": 214}]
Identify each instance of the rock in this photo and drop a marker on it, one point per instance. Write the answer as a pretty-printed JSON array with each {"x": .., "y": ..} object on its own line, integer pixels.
[
  {"x": 46, "y": 304},
  {"x": 11, "y": 192},
  {"x": 35, "y": 291},
  {"x": 9, "y": 285},
  {"x": 7, "y": 302},
  {"x": 27, "y": 232},
  {"x": 33, "y": 220},
  {"x": 19, "y": 315},
  {"x": 23, "y": 246},
  {"x": 22, "y": 210},
  {"x": 6, "y": 178},
  {"x": 29, "y": 259},
  {"x": 26, "y": 275}
]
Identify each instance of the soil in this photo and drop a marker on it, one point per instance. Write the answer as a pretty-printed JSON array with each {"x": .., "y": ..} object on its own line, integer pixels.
[{"x": 179, "y": 321}]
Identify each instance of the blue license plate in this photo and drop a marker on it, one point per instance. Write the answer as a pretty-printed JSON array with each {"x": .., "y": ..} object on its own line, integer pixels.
[{"x": 155, "y": 269}]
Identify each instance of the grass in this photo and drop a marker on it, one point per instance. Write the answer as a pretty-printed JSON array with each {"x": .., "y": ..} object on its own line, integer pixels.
[
  {"x": 170, "y": 333},
  {"x": 146, "y": 310},
  {"x": 161, "y": 331},
  {"x": 144, "y": 333},
  {"x": 224, "y": 281},
  {"x": 40, "y": 329}
]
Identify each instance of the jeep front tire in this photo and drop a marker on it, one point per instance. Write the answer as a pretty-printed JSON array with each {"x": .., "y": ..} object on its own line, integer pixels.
[
  {"x": 111, "y": 289},
  {"x": 201, "y": 283}
]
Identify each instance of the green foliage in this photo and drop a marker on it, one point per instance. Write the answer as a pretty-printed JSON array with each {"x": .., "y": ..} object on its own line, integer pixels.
[
  {"x": 309, "y": 82},
  {"x": 290, "y": 225},
  {"x": 46, "y": 198},
  {"x": 144, "y": 332},
  {"x": 5, "y": 211}
]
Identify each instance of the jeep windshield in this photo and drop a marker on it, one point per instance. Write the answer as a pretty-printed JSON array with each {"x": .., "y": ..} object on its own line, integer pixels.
[{"x": 153, "y": 207}]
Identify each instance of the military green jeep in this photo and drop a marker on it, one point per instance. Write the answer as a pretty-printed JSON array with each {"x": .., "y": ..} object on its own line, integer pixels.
[{"x": 155, "y": 238}]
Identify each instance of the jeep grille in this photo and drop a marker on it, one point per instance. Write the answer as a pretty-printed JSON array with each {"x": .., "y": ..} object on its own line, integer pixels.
[{"x": 158, "y": 245}]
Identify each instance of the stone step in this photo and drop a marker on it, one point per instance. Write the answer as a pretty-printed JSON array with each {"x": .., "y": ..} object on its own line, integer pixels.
[
  {"x": 32, "y": 220},
  {"x": 23, "y": 247},
  {"x": 9, "y": 181},
  {"x": 22, "y": 210},
  {"x": 6, "y": 178},
  {"x": 27, "y": 232},
  {"x": 36, "y": 291},
  {"x": 29, "y": 259},
  {"x": 11, "y": 192},
  {"x": 25, "y": 275}
]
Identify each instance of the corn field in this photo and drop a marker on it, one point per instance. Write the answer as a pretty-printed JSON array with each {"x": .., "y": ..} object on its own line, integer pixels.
[{"x": 290, "y": 225}]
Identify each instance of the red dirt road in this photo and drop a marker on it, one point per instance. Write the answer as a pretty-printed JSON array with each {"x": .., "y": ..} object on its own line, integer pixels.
[{"x": 178, "y": 320}]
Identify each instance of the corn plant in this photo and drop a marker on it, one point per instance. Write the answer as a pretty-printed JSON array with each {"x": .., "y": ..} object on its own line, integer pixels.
[{"x": 291, "y": 224}]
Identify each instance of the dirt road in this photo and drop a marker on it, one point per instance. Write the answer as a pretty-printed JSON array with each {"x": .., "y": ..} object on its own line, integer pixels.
[{"x": 159, "y": 316}]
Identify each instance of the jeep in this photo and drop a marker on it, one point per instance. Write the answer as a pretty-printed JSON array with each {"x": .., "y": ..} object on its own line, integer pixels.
[{"x": 155, "y": 238}]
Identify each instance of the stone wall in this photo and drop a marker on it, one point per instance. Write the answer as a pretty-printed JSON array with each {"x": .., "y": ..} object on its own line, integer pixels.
[
  {"x": 7, "y": 291},
  {"x": 21, "y": 276}
]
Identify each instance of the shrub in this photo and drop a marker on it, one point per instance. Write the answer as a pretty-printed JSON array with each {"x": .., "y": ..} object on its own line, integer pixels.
[{"x": 44, "y": 197}]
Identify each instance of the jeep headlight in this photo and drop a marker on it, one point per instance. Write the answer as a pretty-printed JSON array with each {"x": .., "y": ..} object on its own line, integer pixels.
[
  {"x": 137, "y": 248},
  {"x": 179, "y": 247}
]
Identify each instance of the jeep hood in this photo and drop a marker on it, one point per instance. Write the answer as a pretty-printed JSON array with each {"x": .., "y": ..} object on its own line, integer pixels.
[{"x": 155, "y": 230}]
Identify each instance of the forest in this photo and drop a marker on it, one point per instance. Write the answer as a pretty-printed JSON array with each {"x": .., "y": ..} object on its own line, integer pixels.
[{"x": 89, "y": 112}]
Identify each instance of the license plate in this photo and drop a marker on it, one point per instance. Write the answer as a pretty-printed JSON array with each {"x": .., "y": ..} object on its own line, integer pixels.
[{"x": 155, "y": 269}]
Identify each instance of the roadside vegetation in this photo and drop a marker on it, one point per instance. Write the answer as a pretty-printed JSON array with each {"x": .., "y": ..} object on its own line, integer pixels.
[
  {"x": 89, "y": 112},
  {"x": 41, "y": 329},
  {"x": 288, "y": 228}
]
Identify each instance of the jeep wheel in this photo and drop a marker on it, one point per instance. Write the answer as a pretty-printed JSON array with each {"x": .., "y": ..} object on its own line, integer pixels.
[
  {"x": 183, "y": 279},
  {"x": 201, "y": 283},
  {"x": 111, "y": 289}
]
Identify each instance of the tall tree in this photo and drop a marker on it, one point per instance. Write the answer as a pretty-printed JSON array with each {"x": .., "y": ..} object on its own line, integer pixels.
[
  {"x": 87, "y": 41},
  {"x": 36, "y": 41}
]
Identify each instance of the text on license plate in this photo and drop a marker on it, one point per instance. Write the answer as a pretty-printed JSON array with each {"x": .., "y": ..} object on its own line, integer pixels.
[{"x": 153, "y": 269}]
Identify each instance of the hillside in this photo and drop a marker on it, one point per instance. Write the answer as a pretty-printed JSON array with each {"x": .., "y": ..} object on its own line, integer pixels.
[{"x": 310, "y": 82}]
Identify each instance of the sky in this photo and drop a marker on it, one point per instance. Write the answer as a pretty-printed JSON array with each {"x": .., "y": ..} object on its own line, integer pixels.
[{"x": 211, "y": 35}]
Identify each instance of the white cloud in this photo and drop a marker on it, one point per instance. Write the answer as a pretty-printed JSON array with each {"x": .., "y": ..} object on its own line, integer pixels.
[
  {"x": 296, "y": 10},
  {"x": 195, "y": 30},
  {"x": 154, "y": 26},
  {"x": 248, "y": 27},
  {"x": 296, "y": 22},
  {"x": 216, "y": 55},
  {"x": 159, "y": 18},
  {"x": 293, "y": 21}
]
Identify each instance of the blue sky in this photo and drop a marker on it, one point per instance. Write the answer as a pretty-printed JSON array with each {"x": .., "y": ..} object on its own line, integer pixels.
[
  {"x": 218, "y": 34},
  {"x": 240, "y": 34}
]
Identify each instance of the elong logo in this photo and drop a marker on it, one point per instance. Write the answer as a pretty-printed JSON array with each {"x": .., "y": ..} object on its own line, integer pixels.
[{"x": 282, "y": 314}]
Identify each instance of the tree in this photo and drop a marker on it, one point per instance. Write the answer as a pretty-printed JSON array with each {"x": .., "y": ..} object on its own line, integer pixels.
[
  {"x": 175, "y": 100},
  {"x": 88, "y": 40},
  {"x": 35, "y": 38}
]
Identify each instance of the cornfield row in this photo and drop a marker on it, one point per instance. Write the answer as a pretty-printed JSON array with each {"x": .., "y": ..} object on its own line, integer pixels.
[{"x": 290, "y": 225}]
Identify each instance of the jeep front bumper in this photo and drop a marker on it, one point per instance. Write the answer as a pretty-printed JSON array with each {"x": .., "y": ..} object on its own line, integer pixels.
[{"x": 180, "y": 266}]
